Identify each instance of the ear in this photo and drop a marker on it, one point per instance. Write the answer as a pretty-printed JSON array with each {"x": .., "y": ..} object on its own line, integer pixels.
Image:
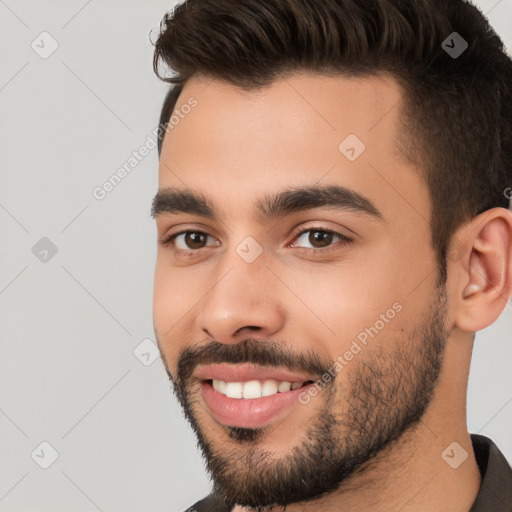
[{"x": 482, "y": 271}]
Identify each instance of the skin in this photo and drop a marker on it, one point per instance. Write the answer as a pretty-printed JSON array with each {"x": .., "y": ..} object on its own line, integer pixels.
[{"x": 237, "y": 146}]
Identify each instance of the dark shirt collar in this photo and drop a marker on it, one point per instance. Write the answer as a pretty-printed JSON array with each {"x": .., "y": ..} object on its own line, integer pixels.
[{"x": 496, "y": 489}]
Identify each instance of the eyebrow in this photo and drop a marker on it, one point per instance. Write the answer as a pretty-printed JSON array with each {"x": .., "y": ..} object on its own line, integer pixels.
[{"x": 174, "y": 200}]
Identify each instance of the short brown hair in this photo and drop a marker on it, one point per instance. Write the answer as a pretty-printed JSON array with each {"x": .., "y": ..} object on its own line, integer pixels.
[{"x": 457, "y": 111}]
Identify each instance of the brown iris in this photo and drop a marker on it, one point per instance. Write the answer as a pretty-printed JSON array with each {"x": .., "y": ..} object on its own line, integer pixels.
[
  {"x": 194, "y": 239},
  {"x": 322, "y": 237}
]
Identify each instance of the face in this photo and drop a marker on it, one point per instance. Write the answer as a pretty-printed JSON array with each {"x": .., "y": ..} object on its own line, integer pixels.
[{"x": 297, "y": 306}]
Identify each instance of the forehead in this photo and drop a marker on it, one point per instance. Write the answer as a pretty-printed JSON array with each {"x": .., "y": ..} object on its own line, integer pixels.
[{"x": 301, "y": 130}]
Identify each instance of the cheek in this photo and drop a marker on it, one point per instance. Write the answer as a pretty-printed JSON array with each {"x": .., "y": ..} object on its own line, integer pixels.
[
  {"x": 177, "y": 294},
  {"x": 173, "y": 292},
  {"x": 162, "y": 298},
  {"x": 343, "y": 301},
  {"x": 170, "y": 305}
]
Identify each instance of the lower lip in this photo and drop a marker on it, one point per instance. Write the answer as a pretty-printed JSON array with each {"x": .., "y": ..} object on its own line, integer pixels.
[{"x": 249, "y": 413}]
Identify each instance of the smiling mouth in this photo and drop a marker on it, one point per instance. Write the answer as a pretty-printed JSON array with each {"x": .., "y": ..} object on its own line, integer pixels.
[
  {"x": 252, "y": 402},
  {"x": 254, "y": 389}
]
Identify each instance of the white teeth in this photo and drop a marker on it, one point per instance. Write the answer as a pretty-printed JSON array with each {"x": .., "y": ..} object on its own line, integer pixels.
[
  {"x": 234, "y": 389},
  {"x": 284, "y": 386},
  {"x": 253, "y": 388},
  {"x": 221, "y": 387},
  {"x": 269, "y": 388}
]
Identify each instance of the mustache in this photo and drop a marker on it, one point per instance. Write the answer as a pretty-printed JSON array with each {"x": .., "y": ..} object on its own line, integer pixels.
[{"x": 253, "y": 351}]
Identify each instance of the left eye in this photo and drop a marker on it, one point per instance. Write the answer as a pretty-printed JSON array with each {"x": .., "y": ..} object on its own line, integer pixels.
[
  {"x": 191, "y": 240},
  {"x": 320, "y": 238}
]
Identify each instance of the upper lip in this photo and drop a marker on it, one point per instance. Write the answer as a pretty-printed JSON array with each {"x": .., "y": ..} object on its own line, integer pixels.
[{"x": 246, "y": 372}]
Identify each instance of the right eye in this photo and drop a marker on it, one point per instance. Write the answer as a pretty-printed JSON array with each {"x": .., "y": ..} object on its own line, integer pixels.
[{"x": 187, "y": 241}]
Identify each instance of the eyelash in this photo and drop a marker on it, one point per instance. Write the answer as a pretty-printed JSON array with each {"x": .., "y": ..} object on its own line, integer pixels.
[{"x": 344, "y": 241}]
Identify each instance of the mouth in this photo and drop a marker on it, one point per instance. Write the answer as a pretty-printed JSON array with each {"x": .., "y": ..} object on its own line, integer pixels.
[
  {"x": 249, "y": 396},
  {"x": 253, "y": 389}
]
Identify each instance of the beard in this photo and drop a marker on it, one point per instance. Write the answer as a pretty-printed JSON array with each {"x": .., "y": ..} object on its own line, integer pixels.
[{"x": 387, "y": 395}]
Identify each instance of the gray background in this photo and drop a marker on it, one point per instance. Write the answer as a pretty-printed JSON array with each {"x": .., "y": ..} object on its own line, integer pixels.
[{"x": 70, "y": 323}]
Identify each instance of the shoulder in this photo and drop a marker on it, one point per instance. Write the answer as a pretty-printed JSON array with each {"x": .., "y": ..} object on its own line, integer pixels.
[{"x": 496, "y": 488}]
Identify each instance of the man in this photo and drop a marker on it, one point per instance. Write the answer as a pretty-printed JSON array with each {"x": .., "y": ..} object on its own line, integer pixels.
[{"x": 333, "y": 229}]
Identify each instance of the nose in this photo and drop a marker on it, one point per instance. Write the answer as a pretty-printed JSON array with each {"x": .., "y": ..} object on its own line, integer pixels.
[{"x": 242, "y": 301}]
